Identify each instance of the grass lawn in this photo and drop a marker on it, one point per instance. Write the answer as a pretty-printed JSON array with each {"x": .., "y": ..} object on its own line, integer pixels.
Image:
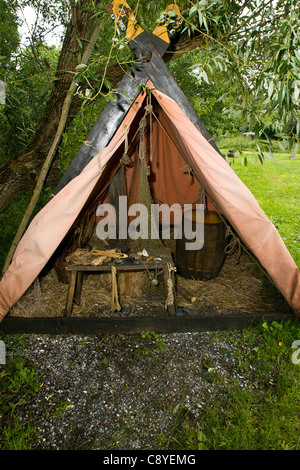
[
  {"x": 263, "y": 416},
  {"x": 276, "y": 186}
]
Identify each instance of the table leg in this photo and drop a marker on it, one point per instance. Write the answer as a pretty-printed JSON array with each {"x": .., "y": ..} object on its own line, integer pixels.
[
  {"x": 78, "y": 286},
  {"x": 71, "y": 292},
  {"x": 171, "y": 307}
]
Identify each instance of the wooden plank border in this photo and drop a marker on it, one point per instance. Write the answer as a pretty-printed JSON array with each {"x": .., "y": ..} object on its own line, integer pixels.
[{"x": 134, "y": 325}]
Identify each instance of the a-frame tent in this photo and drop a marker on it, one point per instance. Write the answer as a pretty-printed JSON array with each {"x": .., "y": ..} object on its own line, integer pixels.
[
  {"x": 148, "y": 48},
  {"x": 91, "y": 170}
]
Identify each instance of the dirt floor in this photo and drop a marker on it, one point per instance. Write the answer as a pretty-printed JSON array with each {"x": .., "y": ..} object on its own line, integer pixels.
[{"x": 240, "y": 287}]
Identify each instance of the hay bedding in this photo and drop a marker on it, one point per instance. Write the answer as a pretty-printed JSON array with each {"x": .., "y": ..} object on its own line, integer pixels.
[{"x": 240, "y": 286}]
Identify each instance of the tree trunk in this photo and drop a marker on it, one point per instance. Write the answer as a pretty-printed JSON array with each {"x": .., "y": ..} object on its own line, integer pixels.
[
  {"x": 51, "y": 154},
  {"x": 22, "y": 171}
]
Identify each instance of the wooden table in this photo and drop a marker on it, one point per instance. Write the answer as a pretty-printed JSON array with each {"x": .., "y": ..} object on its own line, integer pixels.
[{"x": 76, "y": 271}]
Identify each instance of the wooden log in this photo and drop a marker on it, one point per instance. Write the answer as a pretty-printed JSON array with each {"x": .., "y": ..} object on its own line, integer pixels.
[
  {"x": 71, "y": 292},
  {"x": 117, "y": 325}
]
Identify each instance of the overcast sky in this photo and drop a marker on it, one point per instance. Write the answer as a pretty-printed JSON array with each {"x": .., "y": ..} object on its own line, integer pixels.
[{"x": 27, "y": 16}]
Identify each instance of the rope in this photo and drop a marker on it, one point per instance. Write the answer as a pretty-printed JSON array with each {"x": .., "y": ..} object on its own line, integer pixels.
[
  {"x": 230, "y": 247},
  {"x": 99, "y": 161},
  {"x": 153, "y": 278},
  {"x": 149, "y": 110},
  {"x": 188, "y": 169},
  {"x": 126, "y": 160},
  {"x": 144, "y": 193},
  {"x": 126, "y": 140},
  {"x": 234, "y": 244},
  {"x": 170, "y": 286},
  {"x": 114, "y": 290},
  {"x": 192, "y": 201},
  {"x": 37, "y": 293},
  {"x": 142, "y": 126}
]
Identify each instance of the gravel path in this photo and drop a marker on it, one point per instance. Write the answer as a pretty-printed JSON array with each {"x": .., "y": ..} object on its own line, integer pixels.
[{"x": 124, "y": 392}]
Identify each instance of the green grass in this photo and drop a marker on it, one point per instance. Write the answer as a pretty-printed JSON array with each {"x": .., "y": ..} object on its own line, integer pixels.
[
  {"x": 276, "y": 186},
  {"x": 265, "y": 414},
  {"x": 242, "y": 143},
  {"x": 18, "y": 383}
]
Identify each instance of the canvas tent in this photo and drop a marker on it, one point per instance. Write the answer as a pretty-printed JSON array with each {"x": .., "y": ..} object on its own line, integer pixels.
[
  {"x": 178, "y": 138},
  {"x": 223, "y": 187}
]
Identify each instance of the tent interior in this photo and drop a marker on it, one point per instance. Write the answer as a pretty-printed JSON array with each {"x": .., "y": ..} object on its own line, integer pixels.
[{"x": 149, "y": 167}]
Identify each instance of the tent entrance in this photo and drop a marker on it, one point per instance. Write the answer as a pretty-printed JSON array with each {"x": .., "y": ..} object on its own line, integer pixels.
[{"x": 148, "y": 169}]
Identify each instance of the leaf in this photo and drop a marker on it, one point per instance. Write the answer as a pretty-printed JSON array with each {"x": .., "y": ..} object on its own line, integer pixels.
[
  {"x": 204, "y": 76},
  {"x": 201, "y": 18},
  {"x": 281, "y": 94},
  {"x": 79, "y": 42},
  {"x": 171, "y": 13},
  {"x": 80, "y": 67},
  {"x": 77, "y": 77},
  {"x": 107, "y": 83},
  {"x": 283, "y": 145},
  {"x": 205, "y": 23},
  {"x": 270, "y": 89},
  {"x": 269, "y": 156},
  {"x": 112, "y": 97},
  {"x": 176, "y": 408},
  {"x": 192, "y": 13},
  {"x": 296, "y": 93},
  {"x": 201, "y": 446},
  {"x": 260, "y": 156},
  {"x": 201, "y": 436}
]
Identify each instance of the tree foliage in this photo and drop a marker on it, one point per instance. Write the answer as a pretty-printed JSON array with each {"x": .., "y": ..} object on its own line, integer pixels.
[
  {"x": 237, "y": 60},
  {"x": 28, "y": 87},
  {"x": 256, "y": 47},
  {"x": 9, "y": 35},
  {"x": 246, "y": 66}
]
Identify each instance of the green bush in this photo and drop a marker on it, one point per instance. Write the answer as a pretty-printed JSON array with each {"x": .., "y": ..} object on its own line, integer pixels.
[{"x": 18, "y": 384}]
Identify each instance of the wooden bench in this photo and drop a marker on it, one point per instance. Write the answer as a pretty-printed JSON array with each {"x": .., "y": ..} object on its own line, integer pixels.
[{"x": 76, "y": 271}]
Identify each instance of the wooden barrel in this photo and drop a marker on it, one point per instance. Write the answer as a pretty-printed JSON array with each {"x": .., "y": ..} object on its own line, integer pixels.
[{"x": 206, "y": 263}]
